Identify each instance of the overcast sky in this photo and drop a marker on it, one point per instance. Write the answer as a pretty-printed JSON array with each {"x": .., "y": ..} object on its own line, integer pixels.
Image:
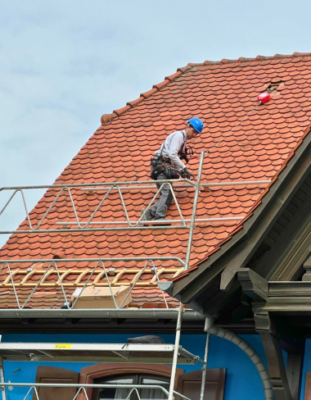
[{"x": 65, "y": 63}]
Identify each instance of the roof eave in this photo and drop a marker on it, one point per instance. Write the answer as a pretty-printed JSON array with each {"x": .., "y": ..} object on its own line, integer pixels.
[{"x": 233, "y": 254}]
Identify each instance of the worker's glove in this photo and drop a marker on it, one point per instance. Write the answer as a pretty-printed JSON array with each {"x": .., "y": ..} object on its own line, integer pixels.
[{"x": 185, "y": 173}]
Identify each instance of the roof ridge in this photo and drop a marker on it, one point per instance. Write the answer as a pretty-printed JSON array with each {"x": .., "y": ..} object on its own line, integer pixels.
[
  {"x": 105, "y": 118},
  {"x": 257, "y": 58}
]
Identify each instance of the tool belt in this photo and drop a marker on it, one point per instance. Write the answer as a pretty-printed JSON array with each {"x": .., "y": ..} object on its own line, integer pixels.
[{"x": 160, "y": 165}]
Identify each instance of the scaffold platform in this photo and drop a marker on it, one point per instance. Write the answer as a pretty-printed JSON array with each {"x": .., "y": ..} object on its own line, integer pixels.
[{"x": 96, "y": 352}]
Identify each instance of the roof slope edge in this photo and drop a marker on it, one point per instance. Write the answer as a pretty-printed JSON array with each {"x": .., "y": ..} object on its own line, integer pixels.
[
  {"x": 105, "y": 118},
  {"x": 232, "y": 240}
]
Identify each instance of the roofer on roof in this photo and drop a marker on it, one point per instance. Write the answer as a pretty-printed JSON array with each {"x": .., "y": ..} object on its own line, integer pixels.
[{"x": 167, "y": 164}]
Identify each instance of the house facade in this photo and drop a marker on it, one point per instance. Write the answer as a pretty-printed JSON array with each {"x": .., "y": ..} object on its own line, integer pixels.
[{"x": 247, "y": 278}]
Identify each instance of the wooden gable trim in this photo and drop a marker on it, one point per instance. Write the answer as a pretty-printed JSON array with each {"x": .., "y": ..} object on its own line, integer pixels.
[
  {"x": 284, "y": 260},
  {"x": 273, "y": 210},
  {"x": 252, "y": 284},
  {"x": 283, "y": 297},
  {"x": 236, "y": 253}
]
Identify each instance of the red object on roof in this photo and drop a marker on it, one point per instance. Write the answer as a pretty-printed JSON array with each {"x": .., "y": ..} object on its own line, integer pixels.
[
  {"x": 264, "y": 97},
  {"x": 256, "y": 150}
]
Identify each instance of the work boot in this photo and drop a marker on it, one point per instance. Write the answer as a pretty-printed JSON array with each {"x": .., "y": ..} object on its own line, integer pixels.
[
  {"x": 146, "y": 217},
  {"x": 163, "y": 221}
]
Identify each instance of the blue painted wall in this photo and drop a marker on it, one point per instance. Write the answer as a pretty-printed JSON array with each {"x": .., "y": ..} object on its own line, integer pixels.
[
  {"x": 242, "y": 380},
  {"x": 306, "y": 367}
]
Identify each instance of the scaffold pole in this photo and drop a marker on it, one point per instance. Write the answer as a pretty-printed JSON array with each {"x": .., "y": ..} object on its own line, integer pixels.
[{"x": 194, "y": 209}]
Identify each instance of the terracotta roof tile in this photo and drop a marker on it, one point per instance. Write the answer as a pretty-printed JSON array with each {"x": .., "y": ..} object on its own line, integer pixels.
[{"x": 221, "y": 93}]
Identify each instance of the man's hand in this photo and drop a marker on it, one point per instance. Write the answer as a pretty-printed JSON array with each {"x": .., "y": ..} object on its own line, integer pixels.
[{"x": 185, "y": 173}]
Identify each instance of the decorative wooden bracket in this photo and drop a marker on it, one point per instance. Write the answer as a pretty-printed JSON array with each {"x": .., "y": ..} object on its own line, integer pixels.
[
  {"x": 285, "y": 383},
  {"x": 271, "y": 342},
  {"x": 307, "y": 268},
  {"x": 253, "y": 284}
]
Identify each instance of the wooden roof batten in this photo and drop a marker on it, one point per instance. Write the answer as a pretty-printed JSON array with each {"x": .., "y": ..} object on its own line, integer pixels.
[{"x": 98, "y": 276}]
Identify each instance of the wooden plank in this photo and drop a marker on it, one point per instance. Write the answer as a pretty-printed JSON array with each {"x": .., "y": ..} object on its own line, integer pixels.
[
  {"x": 289, "y": 289},
  {"x": 290, "y": 305}
]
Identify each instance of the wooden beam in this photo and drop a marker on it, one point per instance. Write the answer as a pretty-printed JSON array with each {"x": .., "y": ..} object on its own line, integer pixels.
[
  {"x": 253, "y": 284},
  {"x": 194, "y": 288},
  {"x": 294, "y": 372},
  {"x": 221, "y": 300},
  {"x": 290, "y": 289},
  {"x": 295, "y": 349},
  {"x": 285, "y": 297},
  {"x": 285, "y": 305},
  {"x": 272, "y": 347},
  {"x": 213, "y": 305},
  {"x": 195, "y": 291},
  {"x": 289, "y": 305}
]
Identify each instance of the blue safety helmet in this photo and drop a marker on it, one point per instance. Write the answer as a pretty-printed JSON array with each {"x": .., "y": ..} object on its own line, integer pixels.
[{"x": 196, "y": 123}]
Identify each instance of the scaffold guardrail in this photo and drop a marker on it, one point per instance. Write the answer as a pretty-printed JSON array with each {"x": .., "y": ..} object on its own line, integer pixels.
[
  {"x": 115, "y": 185},
  {"x": 130, "y": 224},
  {"x": 92, "y": 225},
  {"x": 97, "y": 352},
  {"x": 33, "y": 389},
  {"x": 84, "y": 225},
  {"x": 120, "y": 187},
  {"x": 155, "y": 353}
]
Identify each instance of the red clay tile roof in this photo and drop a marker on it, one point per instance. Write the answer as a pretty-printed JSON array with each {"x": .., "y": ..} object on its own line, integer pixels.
[{"x": 221, "y": 94}]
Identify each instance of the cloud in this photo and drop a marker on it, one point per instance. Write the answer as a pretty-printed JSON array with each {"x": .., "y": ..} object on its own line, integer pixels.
[{"x": 65, "y": 63}]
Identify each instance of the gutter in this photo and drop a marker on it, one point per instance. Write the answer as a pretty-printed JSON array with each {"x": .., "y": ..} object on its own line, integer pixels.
[{"x": 147, "y": 314}]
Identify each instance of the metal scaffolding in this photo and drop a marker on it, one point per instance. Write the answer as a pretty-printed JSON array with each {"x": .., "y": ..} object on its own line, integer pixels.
[
  {"x": 56, "y": 191},
  {"x": 85, "y": 225},
  {"x": 97, "y": 352},
  {"x": 33, "y": 389},
  {"x": 100, "y": 271}
]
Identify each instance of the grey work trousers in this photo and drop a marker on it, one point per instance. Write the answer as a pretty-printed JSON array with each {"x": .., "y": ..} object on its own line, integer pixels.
[{"x": 158, "y": 210}]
